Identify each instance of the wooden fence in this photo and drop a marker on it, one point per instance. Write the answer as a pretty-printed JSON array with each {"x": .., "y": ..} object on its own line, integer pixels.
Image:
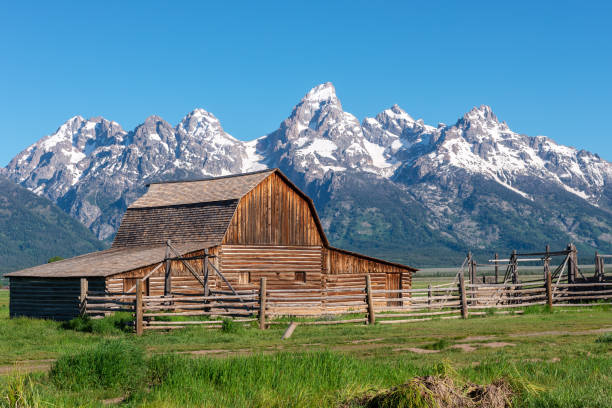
[{"x": 355, "y": 304}]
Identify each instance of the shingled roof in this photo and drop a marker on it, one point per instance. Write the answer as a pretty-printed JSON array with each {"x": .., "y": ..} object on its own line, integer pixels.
[
  {"x": 206, "y": 222},
  {"x": 222, "y": 188},
  {"x": 106, "y": 263},
  {"x": 185, "y": 211}
]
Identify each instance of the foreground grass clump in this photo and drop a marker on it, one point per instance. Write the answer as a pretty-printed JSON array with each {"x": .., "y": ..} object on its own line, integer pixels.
[
  {"x": 442, "y": 392},
  {"x": 19, "y": 390},
  {"x": 113, "y": 324},
  {"x": 113, "y": 364},
  {"x": 604, "y": 338}
]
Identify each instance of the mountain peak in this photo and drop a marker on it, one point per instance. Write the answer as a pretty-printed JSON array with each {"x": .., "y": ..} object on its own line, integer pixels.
[
  {"x": 321, "y": 93},
  {"x": 396, "y": 112},
  {"x": 480, "y": 113},
  {"x": 200, "y": 115}
]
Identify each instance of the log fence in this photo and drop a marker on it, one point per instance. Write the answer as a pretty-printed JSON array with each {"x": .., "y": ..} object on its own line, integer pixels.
[{"x": 343, "y": 305}]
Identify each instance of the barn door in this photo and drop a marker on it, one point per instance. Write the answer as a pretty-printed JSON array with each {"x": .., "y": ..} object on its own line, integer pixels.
[{"x": 394, "y": 282}]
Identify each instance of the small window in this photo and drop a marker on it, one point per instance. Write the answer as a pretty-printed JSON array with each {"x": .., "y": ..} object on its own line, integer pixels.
[
  {"x": 244, "y": 278},
  {"x": 300, "y": 277}
]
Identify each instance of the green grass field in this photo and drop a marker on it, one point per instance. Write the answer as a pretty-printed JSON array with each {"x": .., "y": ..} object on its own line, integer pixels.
[{"x": 559, "y": 359}]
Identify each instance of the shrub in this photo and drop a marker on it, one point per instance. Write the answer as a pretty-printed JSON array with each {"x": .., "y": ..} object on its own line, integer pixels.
[
  {"x": 113, "y": 324},
  {"x": 438, "y": 345},
  {"x": 604, "y": 338},
  {"x": 230, "y": 326},
  {"x": 113, "y": 364}
]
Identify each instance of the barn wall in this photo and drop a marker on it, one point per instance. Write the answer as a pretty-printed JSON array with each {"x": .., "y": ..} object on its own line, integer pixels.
[
  {"x": 273, "y": 214},
  {"x": 48, "y": 298},
  {"x": 283, "y": 266},
  {"x": 337, "y": 262},
  {"x": 183, "y": 282}
]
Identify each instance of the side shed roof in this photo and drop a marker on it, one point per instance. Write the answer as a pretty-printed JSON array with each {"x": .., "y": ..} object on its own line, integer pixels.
[{"x": 105, "y": 263}]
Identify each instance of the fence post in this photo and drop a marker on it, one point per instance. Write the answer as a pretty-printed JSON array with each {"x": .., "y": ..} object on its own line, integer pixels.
[
  {"x": 138, "y": 307},
  {"x": 262, "y": 303},
  {"x": 429, "y": 297},
  {"x": 549, "y": 294},
  {"x": 496, "y": 268},
  {"x": 371, "y": 315},
  {"x": 462, "y": 297},
  {"x": 572, "y": 265},
  {"x": 83, "y": 297}
]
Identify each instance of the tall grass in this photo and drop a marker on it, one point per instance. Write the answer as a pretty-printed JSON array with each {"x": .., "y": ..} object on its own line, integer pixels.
[
  {"x": 113, "y": 364},
  {"x": 19, "y": 391},
  {"x": 310, "y": 379}
]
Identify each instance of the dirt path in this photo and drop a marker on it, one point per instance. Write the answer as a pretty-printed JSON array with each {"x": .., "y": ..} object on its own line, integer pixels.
[{"x": 27, "y": 366}]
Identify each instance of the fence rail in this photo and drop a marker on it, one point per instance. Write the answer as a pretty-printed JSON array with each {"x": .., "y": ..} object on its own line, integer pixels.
[{"x": 348, "y": 305}]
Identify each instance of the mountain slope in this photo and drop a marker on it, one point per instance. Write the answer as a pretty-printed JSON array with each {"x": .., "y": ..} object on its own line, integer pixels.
[
  {"x": 389, "y": 185},
  {"x": 33, "y": 229}
]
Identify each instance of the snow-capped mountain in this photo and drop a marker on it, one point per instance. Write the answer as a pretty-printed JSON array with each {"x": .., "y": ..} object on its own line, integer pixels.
[
  {"x": 372, "y": 180},
  {"x": 319, "y": 137},
  {"x": 93, "y": 169},
  {"x": 480, "y": 144}
]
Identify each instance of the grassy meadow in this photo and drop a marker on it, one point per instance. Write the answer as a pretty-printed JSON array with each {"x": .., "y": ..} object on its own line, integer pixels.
[{"x": 558, "y": 359}]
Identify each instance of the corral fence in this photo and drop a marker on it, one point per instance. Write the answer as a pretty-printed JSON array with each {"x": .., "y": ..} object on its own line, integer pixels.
[{"x": 358, "y": 304}]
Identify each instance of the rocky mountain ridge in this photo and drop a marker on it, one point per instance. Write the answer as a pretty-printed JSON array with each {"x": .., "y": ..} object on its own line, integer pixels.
[{"x": 456, "y": 181}]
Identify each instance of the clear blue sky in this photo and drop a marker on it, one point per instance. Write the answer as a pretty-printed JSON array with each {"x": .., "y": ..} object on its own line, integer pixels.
[{"x": 544, "y": 67}]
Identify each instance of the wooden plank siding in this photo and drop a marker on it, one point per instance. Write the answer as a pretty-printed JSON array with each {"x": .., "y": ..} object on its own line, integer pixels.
[
  {"x": 338, "y": 261},
  {"x": 273, "y": 213},
  {"x": 50, "y": 298},
  {"x": 183, "y": 282},
  {"x": 284, "y": 266}
]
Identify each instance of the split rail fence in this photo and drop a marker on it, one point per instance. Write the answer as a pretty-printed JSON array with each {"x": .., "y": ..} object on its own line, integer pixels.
[{"x": 354, "y": 304}]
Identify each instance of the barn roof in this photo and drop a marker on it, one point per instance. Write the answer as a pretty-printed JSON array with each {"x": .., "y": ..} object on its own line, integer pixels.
[
  {"x": 106, "y": 263},
  {"x": 222, "y": 188},
  {"x": 179, "y": 223}
]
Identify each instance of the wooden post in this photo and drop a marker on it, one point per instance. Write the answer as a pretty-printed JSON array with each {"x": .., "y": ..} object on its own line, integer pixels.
[
  {"x": 469, "y": 265},
  {"x": 138, "y": 307},
  {"x": 496, "y": 268},
  {"x": 371, "y": 315},
  {"x": 83, "y": 297},
  {"x": 289, "y": 331},
  {"x": 167, "y": 275},
  {"x": 205, "y": 268},
  {"x": 549, "y": 294},
  {"x": 262, "y": 303},
  {"x": 572, "y": 264},
  {"x": 514, "y": 267},
  {"x": 462, "y": 297},
  {"x": 547, "y": 259},
  {"x": 602, "y": 270},
  {"x": 429, "y": 297}
]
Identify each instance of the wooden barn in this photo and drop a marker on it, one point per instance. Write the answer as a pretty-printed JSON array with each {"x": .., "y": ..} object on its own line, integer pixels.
[{"x": 202, "y": 236}]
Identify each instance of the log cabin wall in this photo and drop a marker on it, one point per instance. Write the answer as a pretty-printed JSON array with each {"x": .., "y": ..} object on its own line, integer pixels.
[
  {"x": 48, "y": 298},
  {"x": 347, "y": 269},
  {"x": 338, "y": 261},
  {"x": 183, "y": 282},
  {"x": 273, "y": 213},
  {"x": 283, "y": 266}
]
